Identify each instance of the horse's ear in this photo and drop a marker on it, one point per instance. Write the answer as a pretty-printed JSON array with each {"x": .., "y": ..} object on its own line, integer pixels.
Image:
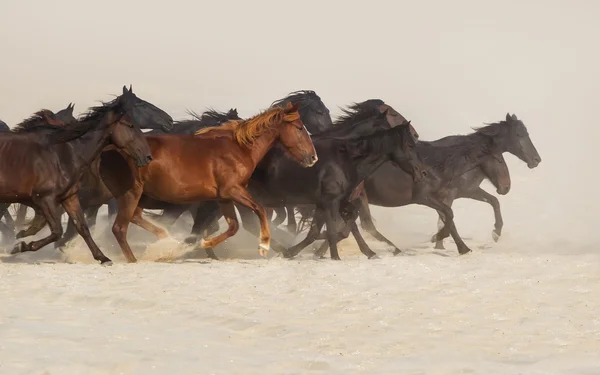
[
  {"x": 514, "y": 117},
  {"x": 130, "y": 89},
  {"x": 292, "y": 107},
  {"x": 50, "y": 119},
  {"x": 124, "y": 90},
  {"x": 508, "y": 117}
]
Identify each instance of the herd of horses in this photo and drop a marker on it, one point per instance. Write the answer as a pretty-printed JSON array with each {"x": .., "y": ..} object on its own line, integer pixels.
[{"x": 288, "y": 159}]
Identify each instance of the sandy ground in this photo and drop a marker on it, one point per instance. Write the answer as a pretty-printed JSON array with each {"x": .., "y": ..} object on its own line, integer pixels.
[{"x": 507, "y": 308}]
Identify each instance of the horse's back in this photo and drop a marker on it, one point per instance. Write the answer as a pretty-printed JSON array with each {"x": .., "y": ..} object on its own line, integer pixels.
[{"x": 25, "y": 165}]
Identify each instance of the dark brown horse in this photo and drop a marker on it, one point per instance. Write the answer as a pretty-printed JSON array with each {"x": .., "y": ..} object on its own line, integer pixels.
[
  {"x": 64, "y": 116},
  {"x": 214, "y": 164},
  {"x": 42, "y": 168}
]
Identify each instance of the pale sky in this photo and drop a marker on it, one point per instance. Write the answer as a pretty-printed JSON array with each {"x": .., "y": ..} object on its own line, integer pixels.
[{"x": 445, "y": 65}]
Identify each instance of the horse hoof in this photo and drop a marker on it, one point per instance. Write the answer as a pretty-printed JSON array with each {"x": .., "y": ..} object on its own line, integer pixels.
[
  {"x": 21, "y": 234},
  {"x": 191, "y": 240},
  {"x": 495, "y": 235},
  {"x": 434, "y": 238},
  {"x": 19, "y": 248},
  {"x": 439, "y": 246},
  {"x": 396, "y": 252},
  {"x": 464, "y": 251},
  {"x": 107, "y": 263},
  {"x": 374, "y": 256}
]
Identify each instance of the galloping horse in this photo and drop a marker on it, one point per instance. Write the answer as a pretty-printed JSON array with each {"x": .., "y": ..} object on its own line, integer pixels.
[
  {"x": 214, "y": 164},
  {"x": 42, "y": 168}
]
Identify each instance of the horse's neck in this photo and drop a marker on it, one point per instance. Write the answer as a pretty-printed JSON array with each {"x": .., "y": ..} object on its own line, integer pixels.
[
  {"x": 366, "y": 165},
  {"x": 478, "y": 150},
  {"x": 362, "y": 128},
  {"x": 262, "y": 144},
  {"x": 87, "y": 148}
]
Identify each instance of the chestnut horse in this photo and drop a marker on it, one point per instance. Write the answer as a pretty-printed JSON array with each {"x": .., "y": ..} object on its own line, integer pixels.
[{"x": 213, "y": 164}]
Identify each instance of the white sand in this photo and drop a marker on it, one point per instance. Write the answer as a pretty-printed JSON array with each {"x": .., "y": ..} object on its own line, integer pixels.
[{"x": 501, "y": 310}]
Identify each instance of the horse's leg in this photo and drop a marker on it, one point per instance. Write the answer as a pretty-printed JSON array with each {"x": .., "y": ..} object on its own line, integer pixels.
[
  {"x": 449, "y": 222},
  {"x": 142, "y": 222},
  {"x": 71, "y": 205},
  {"x": 228, "y": 211},
  {"x": 311, "y": 236},
  {"x": 68, "y": 235},
  {"x": 366, "y": 222},
  {"x": 171, "y": 214},
  {"x": 292, "y": 225},
  {"x": 91, "y": 215},
  {"x": 439, "y": 244},
  {"x": 127, "y": 203},
  {"x": 241, "y": 196},
  {"x": 362, "y": 244},
  {"x": 483, "y": 196},
  {"x": 280, "y": 212},
  {"x": 37, "y": 224},
  {"x": 7, "y": 216},
  {"x": 8, "y": 230},
  {"x": 331, "y": 210},
  {"x": 206, "y": 213},
  {"x": 49, "y": 209},
  {"x": 113, "y": 207},
  {"x": 21, "y": 215},
  {"x": 249, "y": 223}
]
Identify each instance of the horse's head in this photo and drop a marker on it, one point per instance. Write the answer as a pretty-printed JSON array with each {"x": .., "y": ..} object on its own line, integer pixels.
[
  {"x": 495, "y": 169},
  {"x": 512, "y": 136},
  {"x": 405, "y": 155},
  {"x": 126, "y": 133},
  {"x": 144, "y": 114},
  {"x": 313, "y": 112},
  {"x": 395, "y": 119},
  {"x": 66, "y": 115},
  {"x": 295, "y": 138}
]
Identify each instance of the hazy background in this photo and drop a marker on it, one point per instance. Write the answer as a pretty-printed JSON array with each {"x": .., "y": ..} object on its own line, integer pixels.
[{"x": 447, "y": 66}]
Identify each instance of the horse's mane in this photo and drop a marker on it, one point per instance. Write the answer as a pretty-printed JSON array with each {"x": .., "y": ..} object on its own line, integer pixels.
[
  {"x": 86, "y": 123},
  {"x": 35, "y": 122},
  {"x": 379, "y": 142},
  {"x": 300, "y": 96},
  {"x": 245, "y": 132},
  {"x": 356, "y": 112},
  {"x": 211, "y": 115}
]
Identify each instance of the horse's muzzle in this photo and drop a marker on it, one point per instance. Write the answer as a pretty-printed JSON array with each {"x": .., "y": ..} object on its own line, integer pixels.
[{"x": 311, "y": 160}]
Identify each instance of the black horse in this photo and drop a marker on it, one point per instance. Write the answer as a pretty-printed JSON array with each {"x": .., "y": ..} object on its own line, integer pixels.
[
  {"x": 389, "y": 186},
  {"x": 65, "y": 116}
]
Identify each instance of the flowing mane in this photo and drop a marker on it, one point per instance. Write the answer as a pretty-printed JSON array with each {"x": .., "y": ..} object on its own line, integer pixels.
[
  {"x": 300, "y": 96},
  {"x": 356, "y": 112},
  {"x": 36, "y": 122},
  {"x": 245, "y": 132},
  {"x": 381, "y": 141}
]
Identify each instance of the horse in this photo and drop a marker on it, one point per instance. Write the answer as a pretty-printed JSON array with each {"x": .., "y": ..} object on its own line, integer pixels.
[
  {"x": 352, "y": 114},
  {"x": 93, "y": 193},
  {"x": 62, "y": 117},
  {"x": 331, "y": 183},
  {"x": 389, "y": 186},
  {"x": 215, "y": 163},
  {"x": 328, "y": 182},
  {"x": 42, "y": 168},
  {"x": 494, "y": 169},
  {"x": 314, "y": 115}
]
